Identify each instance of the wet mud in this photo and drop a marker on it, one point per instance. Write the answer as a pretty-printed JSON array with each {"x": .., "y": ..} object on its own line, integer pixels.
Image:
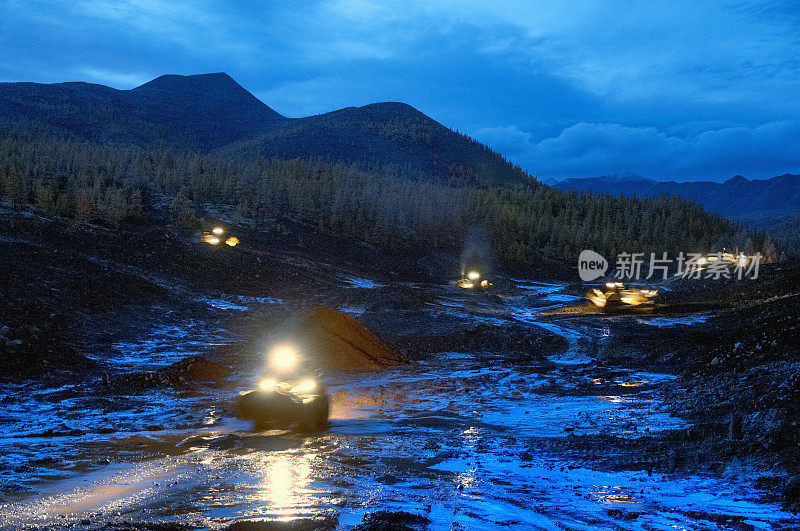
[{"x": 463, "y": 434}]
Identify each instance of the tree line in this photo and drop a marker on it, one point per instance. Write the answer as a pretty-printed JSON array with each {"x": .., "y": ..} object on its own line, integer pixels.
[{"x": 525, "y": 223}]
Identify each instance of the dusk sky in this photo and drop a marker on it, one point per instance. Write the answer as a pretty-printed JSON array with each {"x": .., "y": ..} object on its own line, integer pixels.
[{"x": 678, "y": 90}]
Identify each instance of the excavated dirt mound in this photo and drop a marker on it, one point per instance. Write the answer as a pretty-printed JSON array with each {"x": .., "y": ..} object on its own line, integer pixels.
[{"x": 336, "y": 341}]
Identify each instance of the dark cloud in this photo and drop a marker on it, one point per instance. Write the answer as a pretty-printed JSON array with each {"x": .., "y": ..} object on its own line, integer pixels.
[
  {"x": 591, "y": 149},
  {"x": 682, "y": 90}
]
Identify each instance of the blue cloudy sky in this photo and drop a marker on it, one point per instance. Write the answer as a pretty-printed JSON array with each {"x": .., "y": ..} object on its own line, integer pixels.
[{"x": 675, "y": 89}]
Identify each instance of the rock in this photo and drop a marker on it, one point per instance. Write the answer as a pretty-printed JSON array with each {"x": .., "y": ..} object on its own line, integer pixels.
[
  {"x": 197, "y": 369},
  {"x": 392, "y": 520},
  {"x": 5, "y": 331},
  {"x": 517, "y": 343},
  {"x": 316, "y": 523},
  {"x": 619, "y": 514},
  {"x": 184, "y": 373}
]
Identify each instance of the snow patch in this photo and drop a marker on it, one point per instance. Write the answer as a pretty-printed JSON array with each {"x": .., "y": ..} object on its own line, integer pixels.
[
  {"x": 560, "y": 297},
  {"x": 674, "y": 321},
  {"x": 365, "y": 283},
  {"x": 222, "y": 304},
  {"x": 542, "y": 288},
  {"x": 355, "y": 311}
]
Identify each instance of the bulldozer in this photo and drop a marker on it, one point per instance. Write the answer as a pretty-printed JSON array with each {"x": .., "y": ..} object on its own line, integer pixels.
[
  {"x": 289, "y": 394},
  {"x": 615, "y": 296},
  {"x": 473, "y": 279}
]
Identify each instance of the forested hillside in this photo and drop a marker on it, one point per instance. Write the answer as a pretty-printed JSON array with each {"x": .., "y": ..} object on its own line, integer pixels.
[
  {"x": 392, "y": 138},
  {"x": 112, "y": 184},
  {"x": 211, "y": 113}
]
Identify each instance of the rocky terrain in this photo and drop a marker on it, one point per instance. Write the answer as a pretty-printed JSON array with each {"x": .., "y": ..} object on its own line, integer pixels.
[
  {"x": 739, "y": 370},
  {"x": 123, "y": 352}
]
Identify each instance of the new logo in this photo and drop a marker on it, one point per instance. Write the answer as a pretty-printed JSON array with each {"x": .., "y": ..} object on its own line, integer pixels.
[{"x": 591, "y": 265}]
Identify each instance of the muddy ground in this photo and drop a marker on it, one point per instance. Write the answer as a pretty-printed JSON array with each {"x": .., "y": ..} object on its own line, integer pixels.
[{"x": 518, "y": 407}]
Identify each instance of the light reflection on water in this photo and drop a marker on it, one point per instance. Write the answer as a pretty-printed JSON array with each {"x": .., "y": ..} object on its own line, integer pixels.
[
  {"x": 286, "y": 480},
  {"x": 613, "y": 495}
]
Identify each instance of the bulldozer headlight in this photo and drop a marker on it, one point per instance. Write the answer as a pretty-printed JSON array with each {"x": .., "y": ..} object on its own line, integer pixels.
[
  {"x": 304, "y": 386},
  {"x": 283, "y": 358},
  {"x": 267, "y": 384},
  {"x": 210, "y": 239},
  {"x": 473, "y": 275}
]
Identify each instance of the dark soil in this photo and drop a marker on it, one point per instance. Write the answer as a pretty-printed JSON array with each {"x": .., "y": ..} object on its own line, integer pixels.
[
  {"x": 301, "y": 524},
  {"x": 188, "y": 372},
  {"x": 515, "y": 342},
  {"x": 392, "y": 521},
  {"x": 739, "y": 371},
  {"x": 59, "y": 280}
]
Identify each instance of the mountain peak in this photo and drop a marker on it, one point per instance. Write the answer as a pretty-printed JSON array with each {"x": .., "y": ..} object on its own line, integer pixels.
[
  {"x": 737, "y": 179},
  {"x": 390, "y": 109},
  {"x": 394, "y": 106},
  {"x": 214, "y": 81},
  {"x": 216, "y": 97}
]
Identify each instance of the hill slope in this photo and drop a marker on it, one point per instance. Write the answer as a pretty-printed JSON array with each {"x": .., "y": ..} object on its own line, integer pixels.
[
  {"x": 760, "y": 203},
  {"x": 389, "y": 135},
  {"x": 211, "y": 112},
  {"x": 198, "y": 112}
]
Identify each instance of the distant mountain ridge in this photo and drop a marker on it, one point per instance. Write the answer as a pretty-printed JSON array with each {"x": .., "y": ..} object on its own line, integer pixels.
[
  {"x": 757, "y": 202},
  {"x": 213, "y": 113},
  {"x": 201, "y": 112}
]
